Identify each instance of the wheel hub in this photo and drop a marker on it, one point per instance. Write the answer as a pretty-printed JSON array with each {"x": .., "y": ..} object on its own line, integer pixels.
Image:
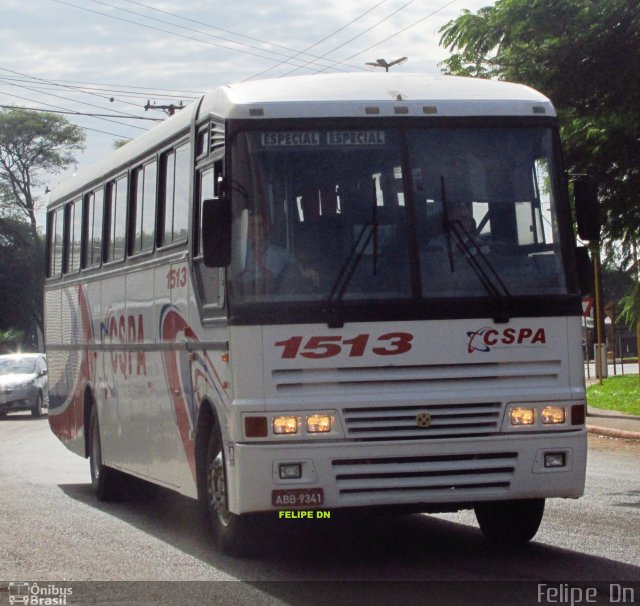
[{"x": 218, "y": 489}]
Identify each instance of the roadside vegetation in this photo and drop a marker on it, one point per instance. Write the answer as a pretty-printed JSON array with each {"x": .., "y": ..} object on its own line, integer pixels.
[{"x": 620, "y": 393}]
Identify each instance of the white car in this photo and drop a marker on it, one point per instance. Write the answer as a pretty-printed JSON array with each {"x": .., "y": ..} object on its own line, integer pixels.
[{"x": 23, "y": 383}]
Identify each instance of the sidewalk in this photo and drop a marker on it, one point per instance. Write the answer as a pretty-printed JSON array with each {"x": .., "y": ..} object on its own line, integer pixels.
[{"x": 612, "y": 423}]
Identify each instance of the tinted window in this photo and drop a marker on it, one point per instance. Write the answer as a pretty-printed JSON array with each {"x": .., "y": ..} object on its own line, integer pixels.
[
  {"x": 144, "y": 208},
  {"x": 93, "y": 242},
  {"x": 117, "y": 204},
  {"x": 176, "y": 195}
]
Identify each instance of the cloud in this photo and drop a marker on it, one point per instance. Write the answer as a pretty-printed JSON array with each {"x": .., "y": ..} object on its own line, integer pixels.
[{"x": 151, "y": 54}]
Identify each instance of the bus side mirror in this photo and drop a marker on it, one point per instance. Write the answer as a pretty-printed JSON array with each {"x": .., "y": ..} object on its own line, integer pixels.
[
  {"x": 216, "y": 232},
  {"x": 586, "y": 280},
  {"x": 588, "y": 215}
]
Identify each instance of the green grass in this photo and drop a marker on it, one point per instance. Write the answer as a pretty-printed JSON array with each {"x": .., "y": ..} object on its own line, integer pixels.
[{"x": 616, "y": 393}]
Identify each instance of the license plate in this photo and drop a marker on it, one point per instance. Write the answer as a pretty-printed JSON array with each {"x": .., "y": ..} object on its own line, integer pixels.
[{"x": 297, "y": 497}]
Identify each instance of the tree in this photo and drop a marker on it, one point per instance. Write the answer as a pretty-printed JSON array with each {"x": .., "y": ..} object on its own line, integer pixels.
[
  {"x": 584, "y": 55},
  {"x": 21, "y": 278},
  {"x": 33, "y": 145}
]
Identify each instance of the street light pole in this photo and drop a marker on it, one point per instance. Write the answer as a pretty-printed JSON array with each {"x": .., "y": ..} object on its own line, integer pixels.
[{"x": 386, "y": 64}]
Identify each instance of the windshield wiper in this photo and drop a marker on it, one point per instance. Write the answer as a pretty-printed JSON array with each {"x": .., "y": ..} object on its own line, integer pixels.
[
  {"x": 445, "y": 222},
  {"x": 368, "y": 231},
  {"x": 477, "y": 260}
]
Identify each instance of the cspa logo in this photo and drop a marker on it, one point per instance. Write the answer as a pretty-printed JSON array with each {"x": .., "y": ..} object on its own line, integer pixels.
[{"x": 487, "y": 338}]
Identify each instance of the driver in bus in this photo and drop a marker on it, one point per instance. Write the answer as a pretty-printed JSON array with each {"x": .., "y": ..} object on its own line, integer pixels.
[{"x": 271, "y": 268}]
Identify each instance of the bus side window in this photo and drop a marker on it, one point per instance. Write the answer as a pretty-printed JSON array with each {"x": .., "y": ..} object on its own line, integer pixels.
[
  {"x": 143, "y": 208},
  {"x": 56, "y": 223},
  {"x": 94, "y": 210},
  {"x": 116, "y": 218},
  {"x": 73, "y": 240},
  {"x": 174, "y": 210}
]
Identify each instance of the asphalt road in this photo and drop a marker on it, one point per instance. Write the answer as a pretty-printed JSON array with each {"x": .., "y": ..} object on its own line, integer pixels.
[{"x": 53, "y": 529}]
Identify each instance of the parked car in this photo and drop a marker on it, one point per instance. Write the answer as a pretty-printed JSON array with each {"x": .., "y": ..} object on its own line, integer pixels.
[{"x": 23, "y": 383}]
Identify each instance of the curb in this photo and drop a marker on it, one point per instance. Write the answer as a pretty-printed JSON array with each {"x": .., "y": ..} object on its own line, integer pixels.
[{"x": 613, "y": 433}]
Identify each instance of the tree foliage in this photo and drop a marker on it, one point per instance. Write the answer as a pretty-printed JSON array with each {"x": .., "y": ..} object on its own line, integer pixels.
[
  {"x": 584, "y": 55},
  {"x": 21, "y": 277},
  {"x": 33, "y": 146}
]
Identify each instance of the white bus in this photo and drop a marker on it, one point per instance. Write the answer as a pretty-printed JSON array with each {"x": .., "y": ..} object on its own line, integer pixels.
[{"x": 326, "y": 292}]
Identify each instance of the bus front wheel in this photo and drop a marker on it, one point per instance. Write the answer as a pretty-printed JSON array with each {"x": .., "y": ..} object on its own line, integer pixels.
[
  {"x": 510, "y": 523},
  {"x": 232, "y": 532}
]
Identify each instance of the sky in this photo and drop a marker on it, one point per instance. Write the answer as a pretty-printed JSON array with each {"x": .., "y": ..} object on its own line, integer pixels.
[{"x": 111, "y": 57}]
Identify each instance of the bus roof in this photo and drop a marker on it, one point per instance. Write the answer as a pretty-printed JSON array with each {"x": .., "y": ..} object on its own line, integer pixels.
[
  {"x": 349, "y": 95},
  {"x": 324, "y": 96}
]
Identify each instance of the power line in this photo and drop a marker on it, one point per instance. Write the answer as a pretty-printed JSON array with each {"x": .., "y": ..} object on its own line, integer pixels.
[
  {"x": 288, "y": 49},
  {"x": 173, "y": 33},
  {"x": 84, "y": 127},
  {"x": 359, "y": 35},
  {"x": 431, "y": 14},
  {"x": 84, "y": 103},
  {"x": 141, "y": 96},
  {"x": 69, "y": 112},
  {"x": 314, "y": 44},
  {"x": 133, "y": 88},
  {"x": 125, "y": 114}
]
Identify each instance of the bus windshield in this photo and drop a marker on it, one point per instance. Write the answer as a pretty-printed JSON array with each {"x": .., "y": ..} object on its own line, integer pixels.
[{"x": 388, "y": 214}]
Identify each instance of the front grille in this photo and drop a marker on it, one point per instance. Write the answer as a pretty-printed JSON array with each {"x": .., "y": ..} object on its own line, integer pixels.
[
  {"x": 400, "y": 422},
  {"x": 304, "y": 382},
  {"x": 429, "y": 476}
]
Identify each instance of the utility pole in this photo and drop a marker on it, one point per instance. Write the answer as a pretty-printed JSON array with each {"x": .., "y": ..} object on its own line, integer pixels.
[
  {"x": 386, "y": 64},
  {"x": 168, "y": 109}
]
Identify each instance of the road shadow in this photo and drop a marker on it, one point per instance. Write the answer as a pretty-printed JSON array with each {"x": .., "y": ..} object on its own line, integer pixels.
[{"x": 297, "y": 559}]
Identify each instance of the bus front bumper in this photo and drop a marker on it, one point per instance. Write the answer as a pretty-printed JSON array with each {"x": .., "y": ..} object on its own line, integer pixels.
[{"x": 362, "y": 474}]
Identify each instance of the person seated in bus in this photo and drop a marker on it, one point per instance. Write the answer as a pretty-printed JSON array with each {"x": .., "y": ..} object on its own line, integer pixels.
[{"x": 269, "y": 267}]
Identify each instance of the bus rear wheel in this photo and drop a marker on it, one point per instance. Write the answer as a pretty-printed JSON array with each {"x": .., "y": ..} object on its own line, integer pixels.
[
  {"x": 510, "y": 523},
  {"x": 104, "y": 480},
  {"x": 232, "y": 532}
]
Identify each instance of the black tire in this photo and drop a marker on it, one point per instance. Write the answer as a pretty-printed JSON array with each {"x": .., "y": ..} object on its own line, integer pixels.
[
  {"x": 106, "y": 482},
  {"x": 36, "y": 411},
  {"x": 232, "y": 533},
  {"x": 510, "y": 523}
]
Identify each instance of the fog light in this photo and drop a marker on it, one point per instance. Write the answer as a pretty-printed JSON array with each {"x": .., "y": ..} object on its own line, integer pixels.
[
  {"x": 285, "y": 425},
  {"x": 552, "y": 415},
  {"x": 290, "y": 471},
  {"x": 554, "y": 459},
  {"x": 318, "y": 423},
  {"x": 522, "y": 416},
  {"x": 255, "y": 427}
]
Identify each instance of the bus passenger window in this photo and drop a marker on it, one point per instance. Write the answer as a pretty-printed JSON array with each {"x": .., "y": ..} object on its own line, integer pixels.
[
  {"x": 144, "y": 208},
  {"x": 117, "y": 221},
  {"x": 74, "y": 235},
  {"x": 93, "y": 241},
  {"x": 175, "y": 195},
  {"x": 55, "y": 243}
]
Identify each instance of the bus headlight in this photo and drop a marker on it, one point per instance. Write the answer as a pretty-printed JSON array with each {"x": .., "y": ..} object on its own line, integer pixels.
[
  {"x": 283, "y": 425},
  {"x": 319, "y": 424},
  {"x": 522, "y": 416},
  {"x": 553, "y": 415}
]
